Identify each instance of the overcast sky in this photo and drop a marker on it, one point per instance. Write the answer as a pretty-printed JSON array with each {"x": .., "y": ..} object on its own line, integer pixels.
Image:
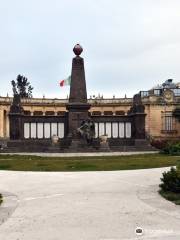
[{"x": 129, "y": 45}]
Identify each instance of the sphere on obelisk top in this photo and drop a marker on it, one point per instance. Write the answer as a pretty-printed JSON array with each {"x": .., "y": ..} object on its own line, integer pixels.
[{"x": 77, "y": 49}]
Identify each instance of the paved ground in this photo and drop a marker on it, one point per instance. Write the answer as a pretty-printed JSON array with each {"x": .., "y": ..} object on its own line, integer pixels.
[
  {"x": 86, "y": 206},
  {"x": 82, "y": 154}
]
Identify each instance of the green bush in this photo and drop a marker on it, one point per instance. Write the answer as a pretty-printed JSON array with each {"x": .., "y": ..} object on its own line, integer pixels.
[
  {"x": 171, "y": 180},
  {"x": 172, "y": 149}
]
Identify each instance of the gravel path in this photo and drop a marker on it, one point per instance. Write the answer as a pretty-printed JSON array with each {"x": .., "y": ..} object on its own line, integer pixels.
[
  {"x": 81, "y": 154},
  {"x": 86, "y": 206}
]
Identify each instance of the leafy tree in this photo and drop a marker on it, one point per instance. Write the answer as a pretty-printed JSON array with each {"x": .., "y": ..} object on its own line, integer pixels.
[{"x": 22, "y": 87}]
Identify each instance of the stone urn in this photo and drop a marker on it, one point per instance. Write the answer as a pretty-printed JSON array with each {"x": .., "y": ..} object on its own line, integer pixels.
[
  {"x": 104, "y": 145},
  {"x": 103, "y": 138},
  {"x": 55, "y": 139}
]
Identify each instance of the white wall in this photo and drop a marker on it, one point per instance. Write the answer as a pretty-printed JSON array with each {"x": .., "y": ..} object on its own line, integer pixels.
[
  {"x": 113, "y": 129},
  {"x": 43, "y": 130}
]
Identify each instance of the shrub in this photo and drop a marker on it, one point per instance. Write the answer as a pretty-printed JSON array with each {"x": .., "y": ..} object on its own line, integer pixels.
[
  {"x": 159, "y": 144},
  {"x": 171, "y": 180},
  {"x": 172, "y": 149},
  {"x": 173, "y": 197}
]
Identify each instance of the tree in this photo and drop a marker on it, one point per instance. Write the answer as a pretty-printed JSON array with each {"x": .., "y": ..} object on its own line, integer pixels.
[{"x": 22, "y": 87}]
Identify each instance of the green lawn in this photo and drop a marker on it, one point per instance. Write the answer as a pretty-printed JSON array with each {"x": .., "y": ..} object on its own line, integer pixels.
[{"x": 106, "y": 163}]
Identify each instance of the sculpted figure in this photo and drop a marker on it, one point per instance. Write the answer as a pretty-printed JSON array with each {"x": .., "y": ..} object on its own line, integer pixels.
[{"x": 87, "y": 130}]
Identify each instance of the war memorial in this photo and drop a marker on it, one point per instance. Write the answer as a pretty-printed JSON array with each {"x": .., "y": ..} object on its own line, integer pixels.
[
  {"x": 76, "y": 205},
  {"x": 80, "y": 124}
]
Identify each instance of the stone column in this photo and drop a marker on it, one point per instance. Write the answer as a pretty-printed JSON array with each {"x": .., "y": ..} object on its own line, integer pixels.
[
  {"x": 137, "y": 111},
  {"x": 1, "y": 122},
  {"x": 15, "y": 118},
  {"x": 7, "y": 124},
  {"x": 139, "y": 122}
]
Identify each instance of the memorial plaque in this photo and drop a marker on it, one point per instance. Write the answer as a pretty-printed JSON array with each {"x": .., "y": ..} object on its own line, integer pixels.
[
  {"x": 128, "y": 130},
  {"x": 101, "y": 129},
  {"x": 121, "y": 130},
  {"x": 26, "y": 130},
  {"x": 54, "y": 129},
  {"x": 40, "y": 130},
  {"x": 108, "y": 129},
  {"x": 115, "y": 130},
  {"x": 96, "y": 130},
  {"x": 47, "y": 130},
  {"x": 60, "y": 130}
]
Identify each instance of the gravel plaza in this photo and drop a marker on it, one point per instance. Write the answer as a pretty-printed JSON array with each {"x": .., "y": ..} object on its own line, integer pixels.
[{"x": 86, "y": 205}]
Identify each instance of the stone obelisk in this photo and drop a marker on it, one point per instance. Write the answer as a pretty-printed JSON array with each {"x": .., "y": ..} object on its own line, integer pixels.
[{"x": 77, "y": 106}]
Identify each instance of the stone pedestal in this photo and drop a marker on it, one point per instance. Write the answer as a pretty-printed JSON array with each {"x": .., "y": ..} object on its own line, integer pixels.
[
  {"x": 104, "y": 147},
  {"x": 15, "y": 119},
  {"x": 137, "y": 111},
  {"x": 15, "y": 126},
  {"x": 104, "y": 144},
  {"x": 77, "y": 113},
  {"x": 139, "y": 122},
  {"x": 55, "y": 140}
]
